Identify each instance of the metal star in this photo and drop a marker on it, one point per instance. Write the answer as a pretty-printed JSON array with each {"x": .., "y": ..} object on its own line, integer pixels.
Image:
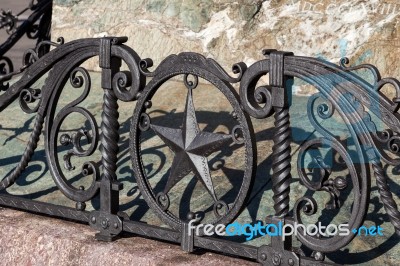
[{"x": 191, "y": 147}]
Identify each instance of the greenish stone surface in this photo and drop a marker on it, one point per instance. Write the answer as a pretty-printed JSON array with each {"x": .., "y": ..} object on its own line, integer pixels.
[
  {"x": 214, "y": 114},
  {"x": 68, "y": 2}
]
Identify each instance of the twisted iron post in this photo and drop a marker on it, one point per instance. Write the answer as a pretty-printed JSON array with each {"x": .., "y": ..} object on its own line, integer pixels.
[
  {"x": 109, "y": 148},
  {"x": 109, "y": 187},
  {"x": 385, "y": 194},
  {"x": 281, "y": 162},
  {"x": 281, "y": 101}
]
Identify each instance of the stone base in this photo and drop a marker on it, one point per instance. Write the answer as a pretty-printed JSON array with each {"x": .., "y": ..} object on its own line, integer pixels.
[{"x": 28, "y": 239}]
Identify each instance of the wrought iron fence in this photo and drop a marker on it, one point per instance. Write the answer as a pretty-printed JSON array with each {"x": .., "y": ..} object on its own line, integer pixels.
[
  {"x": 36, "y": 26},
  {"x": 340, "y": 93}
]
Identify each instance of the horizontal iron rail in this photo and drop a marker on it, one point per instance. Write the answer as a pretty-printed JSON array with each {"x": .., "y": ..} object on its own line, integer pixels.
[
  {"x": 142, "y": 229},
  {"x": 191, "y": 146},
  {"x": 49, "y": 209}
]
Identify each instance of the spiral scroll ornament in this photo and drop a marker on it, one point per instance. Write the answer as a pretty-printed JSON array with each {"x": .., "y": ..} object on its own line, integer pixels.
[{"x": 79, "y": 78}]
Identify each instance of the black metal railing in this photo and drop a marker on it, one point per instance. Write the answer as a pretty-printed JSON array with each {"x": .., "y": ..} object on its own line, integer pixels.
[
  {"x": 36, "y": 26},
  {"x": 340, "y": 93}
]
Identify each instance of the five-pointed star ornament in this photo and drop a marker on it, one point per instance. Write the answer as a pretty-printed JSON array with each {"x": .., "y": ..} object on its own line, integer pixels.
[{"x": 191, "y": 147}]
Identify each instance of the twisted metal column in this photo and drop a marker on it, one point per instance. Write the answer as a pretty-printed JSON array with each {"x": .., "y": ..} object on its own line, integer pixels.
[
  {"x": 281, "y": 101},
  {"x": 109, "y": 136},
  {"x": 281, "y": 162},
  {"x": 106, "y": 220},
  {"x": 386, "y": 196},
  {"x": 109, "y": 149}
]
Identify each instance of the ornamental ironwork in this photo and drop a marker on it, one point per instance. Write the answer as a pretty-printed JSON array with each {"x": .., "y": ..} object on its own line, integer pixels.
[
  {"x": 36, "y": 26},
  {"x": 192, "y": 147}
]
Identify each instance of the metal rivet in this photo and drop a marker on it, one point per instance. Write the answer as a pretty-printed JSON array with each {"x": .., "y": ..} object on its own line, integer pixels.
[
  {"x": 80, "y": 206},
  {"x": 340, "y": 183},
  {"x": 115, "y": 225},
  {"x": 190, "y": 215},
  {"x": 93, "y": 220},
  {"x": 263, "y": 257},
  {"x": 148, "y": 104},
  {"x": 104, "y": 224},
  {"x": 319, "y": 256},
  {"x": 276, "y": 259},
  {"x": 65, "y": 139},
  {"x": 291, "y": 262}
]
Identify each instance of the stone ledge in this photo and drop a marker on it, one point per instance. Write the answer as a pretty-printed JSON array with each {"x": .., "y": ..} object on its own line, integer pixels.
[{"x": 29, "y": 239}]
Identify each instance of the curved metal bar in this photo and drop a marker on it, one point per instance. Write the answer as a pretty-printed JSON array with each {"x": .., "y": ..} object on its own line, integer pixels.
[
  {"x": 351, "y": 118},
  {"x": 341, "y": 92},
  {"x": 362, "y": 132},
  {"x": 56, "y": 86},
  {"x": 194, "y": 65},
  {"x": 41, "y": 10},
  {"x": 188, "y": 58},
  {"x": 74, "y": 53}
]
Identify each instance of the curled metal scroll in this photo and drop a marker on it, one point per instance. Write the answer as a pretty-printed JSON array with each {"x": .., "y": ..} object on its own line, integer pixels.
[
  {"x": 333, "y": 187},
  {"x": 359, "y": 123},
  {"x": 6, "y": 70},
  {"x": 192, "y": 66},
  {"x": 127, "y": 84},
  {"x": 256, "y": 101},
  {"x": 333, "y": 90},
  {"x": 62, "y": 61},
  {"x": 327, "y": 79},
  {"x": 79, "y": 77}
]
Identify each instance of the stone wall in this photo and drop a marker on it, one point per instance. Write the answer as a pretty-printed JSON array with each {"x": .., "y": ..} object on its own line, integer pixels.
[{"x": 232, "y": 31}]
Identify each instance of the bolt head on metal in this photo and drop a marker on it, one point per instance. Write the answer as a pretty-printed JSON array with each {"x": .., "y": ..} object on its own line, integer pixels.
[
  {"x": 104, "y": 224},
  {"x": 190, "y": 216},
  {"x": 80, "y": 206},
  {"x": 276, "y": 259},
  {"x": 65, "y": 139},
  {"x": 148, "y": 104},
  {"x": 340, "y": 183},
  {"x": 319, "y": 256}
]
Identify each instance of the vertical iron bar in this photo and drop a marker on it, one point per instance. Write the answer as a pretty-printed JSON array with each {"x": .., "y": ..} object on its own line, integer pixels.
[
  {"x": 281, "y": 157},
  {"x": 109, "y": 199},
  {"x": 109, "y": 187},
  {"x": 386, "y": 195},
  {"x": 281, "y": 100},
  {"x": 281, "y": 162}
]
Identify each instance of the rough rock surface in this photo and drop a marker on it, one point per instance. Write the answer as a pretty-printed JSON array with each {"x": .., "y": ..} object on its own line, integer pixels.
[
  {"x": 232, "y": 31},
  {"x": 29, "y": 239}
]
